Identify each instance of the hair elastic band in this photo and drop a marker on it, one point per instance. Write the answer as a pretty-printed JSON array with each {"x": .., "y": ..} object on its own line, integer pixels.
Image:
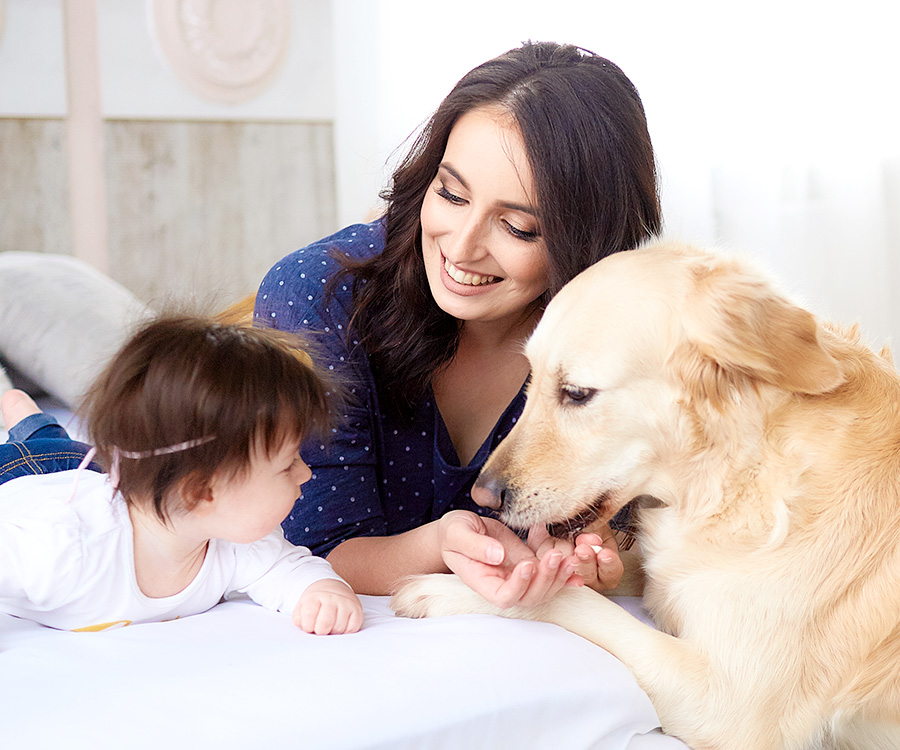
[
  {"x": 168, "y": 449},
  {"x": 116, "y": 453}
]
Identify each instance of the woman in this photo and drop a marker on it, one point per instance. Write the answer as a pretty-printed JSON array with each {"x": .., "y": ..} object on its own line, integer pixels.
[{"x": 536, "y": 165}]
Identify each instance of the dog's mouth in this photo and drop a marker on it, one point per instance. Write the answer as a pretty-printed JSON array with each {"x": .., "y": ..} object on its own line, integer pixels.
[{"x": 572, "y": 527}]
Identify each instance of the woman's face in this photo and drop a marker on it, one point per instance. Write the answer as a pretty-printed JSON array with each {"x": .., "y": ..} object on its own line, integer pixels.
[{"x": 484, "y": 255}]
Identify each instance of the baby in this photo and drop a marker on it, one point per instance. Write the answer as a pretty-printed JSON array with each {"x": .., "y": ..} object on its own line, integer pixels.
[{"x": 198, "y": 425}]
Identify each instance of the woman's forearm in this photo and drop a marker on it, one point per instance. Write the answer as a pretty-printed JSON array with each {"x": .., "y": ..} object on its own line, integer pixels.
[{"x": 374, "y": 565}]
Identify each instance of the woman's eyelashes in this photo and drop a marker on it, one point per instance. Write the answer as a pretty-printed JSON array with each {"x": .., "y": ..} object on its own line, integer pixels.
[
  {"x": 448, "y": 196},
  {"x": 520, "y": 234}
]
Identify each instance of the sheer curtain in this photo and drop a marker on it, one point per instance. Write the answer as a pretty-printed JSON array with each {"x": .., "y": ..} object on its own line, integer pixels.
[
  {"x": 830, "y": 232},
  {"x": 776, "y": 123}
]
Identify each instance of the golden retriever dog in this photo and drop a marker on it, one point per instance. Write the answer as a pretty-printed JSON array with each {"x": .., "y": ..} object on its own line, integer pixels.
[{"x": 765, "y": 446}]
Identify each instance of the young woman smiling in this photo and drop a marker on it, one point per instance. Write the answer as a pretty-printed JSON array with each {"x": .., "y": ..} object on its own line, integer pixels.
[{"x": 536, "y": 165}]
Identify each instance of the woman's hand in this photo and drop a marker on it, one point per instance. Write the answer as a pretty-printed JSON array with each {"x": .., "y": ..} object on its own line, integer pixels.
[
  {"x": 494, "y": 562},
  {"x": 328, "y": 607},
  {"x": 599, "y": 564}
]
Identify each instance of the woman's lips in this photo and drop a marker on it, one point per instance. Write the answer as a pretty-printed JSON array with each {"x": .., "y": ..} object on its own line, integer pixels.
[{"x": 464, "y": 282}]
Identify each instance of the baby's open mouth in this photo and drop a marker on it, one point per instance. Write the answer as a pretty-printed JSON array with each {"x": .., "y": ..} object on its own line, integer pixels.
[{"x": 467, "y": 278}]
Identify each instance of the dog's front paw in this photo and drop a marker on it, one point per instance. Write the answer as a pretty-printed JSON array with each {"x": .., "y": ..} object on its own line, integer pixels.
[{"x": 437, "y": 595}]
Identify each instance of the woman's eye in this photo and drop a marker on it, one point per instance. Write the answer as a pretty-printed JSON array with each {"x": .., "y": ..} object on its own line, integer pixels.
[
  {"x": 575, "y": 395},
  {"x": 521, "y": 234},
  {"x": 448, "y": 196}
]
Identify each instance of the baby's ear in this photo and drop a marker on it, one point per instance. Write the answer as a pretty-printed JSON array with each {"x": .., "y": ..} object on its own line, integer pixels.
[
  {"x": 745, "y": 329},
  {"x": 196, "y": 493}
]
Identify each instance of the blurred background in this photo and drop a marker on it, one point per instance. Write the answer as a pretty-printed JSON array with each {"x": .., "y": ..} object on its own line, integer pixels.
[{"x": 184, "y": 146}]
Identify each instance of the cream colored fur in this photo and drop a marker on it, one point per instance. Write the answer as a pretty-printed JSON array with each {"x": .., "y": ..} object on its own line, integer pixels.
[{"x": 772, "y": 442}]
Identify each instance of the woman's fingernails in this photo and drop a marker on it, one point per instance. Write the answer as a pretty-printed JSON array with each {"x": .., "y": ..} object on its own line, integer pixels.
[
  {"x": 554, "y": 560},
  {"x": 526, "y": 571},
  {"x": 495, "y": 555}
]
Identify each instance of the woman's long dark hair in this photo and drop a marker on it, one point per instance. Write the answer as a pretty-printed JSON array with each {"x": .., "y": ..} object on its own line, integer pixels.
[{"x": 586, "y": 138}]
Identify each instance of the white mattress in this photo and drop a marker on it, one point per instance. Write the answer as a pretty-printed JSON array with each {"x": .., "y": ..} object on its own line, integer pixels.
[{"x": 243, "y": 677}]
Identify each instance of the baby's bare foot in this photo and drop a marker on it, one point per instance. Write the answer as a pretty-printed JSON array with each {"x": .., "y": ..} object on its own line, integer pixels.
[{"x": 15, "y": 406}]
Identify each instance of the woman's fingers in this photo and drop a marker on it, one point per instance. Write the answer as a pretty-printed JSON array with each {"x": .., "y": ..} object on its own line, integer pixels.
[
  {"x": 601, "y": 565},
  {"x": 466, "y": 534}
]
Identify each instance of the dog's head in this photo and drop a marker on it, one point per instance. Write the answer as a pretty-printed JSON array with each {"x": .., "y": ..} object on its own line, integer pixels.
[{"x": 636, "y": 362}]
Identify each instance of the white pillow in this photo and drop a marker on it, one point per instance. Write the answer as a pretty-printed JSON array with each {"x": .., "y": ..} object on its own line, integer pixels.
[{"x": 61, "y": 320}]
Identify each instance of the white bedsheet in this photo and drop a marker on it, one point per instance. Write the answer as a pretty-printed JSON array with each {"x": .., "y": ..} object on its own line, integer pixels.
[{"x": 242, "y": 677}]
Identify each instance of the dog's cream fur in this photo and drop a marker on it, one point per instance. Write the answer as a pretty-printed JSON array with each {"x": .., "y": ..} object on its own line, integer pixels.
[{"x": 772, "y": 445}]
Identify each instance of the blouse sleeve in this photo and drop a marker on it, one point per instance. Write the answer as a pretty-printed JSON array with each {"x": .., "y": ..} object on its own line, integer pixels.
[{"x": 342, "y": 498}]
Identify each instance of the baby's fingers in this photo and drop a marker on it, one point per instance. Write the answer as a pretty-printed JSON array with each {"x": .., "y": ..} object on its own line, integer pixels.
[
  {"x": 305, "y": 614},
  {"x": 350, "y": 618},
  {"x": 328, "y": 617}
]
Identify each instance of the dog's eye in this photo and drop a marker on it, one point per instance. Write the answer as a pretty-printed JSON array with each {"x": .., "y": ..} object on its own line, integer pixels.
[{"x": 575, "y": 395}]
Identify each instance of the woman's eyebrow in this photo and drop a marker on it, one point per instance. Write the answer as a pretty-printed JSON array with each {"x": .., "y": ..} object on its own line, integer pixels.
[
  {"x": 456, "y": 175},
  {"x": 524, "y": 208}
]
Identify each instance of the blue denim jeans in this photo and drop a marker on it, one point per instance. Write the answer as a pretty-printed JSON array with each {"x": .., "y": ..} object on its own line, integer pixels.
[{"x": 39, "y": 445}]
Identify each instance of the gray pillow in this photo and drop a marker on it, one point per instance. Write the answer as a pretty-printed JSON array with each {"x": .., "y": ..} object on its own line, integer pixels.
[
  {"x": 61, "y": 320},
  {"x": 5, "y": 383}
]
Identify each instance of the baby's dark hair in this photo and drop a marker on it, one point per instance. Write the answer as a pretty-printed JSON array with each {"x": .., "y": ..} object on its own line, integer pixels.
[{"x": 232, "y": 389}]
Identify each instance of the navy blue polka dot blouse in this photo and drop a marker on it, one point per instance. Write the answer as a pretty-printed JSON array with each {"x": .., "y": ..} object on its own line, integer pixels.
[{"x": 378, "y": 475}]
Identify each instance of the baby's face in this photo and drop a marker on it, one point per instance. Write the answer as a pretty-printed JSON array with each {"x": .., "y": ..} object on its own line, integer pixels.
[{"x": 248, "y": 507}]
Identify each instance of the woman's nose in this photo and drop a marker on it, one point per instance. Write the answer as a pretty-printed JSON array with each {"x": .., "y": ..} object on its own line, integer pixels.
[{"x": 469, "y": 241}]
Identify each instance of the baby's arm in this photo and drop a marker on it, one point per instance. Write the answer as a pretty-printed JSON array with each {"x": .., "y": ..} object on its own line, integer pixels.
[
  {"x": 281, "y": 576},
  {"x": 328, "y": 607}
]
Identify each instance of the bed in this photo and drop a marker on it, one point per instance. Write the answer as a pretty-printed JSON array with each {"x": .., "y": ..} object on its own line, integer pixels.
[{"x": 239, "y": 676}]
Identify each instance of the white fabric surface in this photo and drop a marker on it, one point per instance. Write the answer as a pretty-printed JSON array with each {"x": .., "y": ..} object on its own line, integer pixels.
[{"x": 240, "y": 676}]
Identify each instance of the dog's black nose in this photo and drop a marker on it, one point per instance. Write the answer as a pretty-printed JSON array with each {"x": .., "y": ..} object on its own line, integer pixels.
[{"x": 489, "y": 491}]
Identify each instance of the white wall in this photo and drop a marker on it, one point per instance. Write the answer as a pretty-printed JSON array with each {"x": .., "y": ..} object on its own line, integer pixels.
[
  {"x": 136, "y": 81},
  {"x": 776, "y": 122},
  {"x": 32, "y": 71},
  {"x": 112, "y": 152}
]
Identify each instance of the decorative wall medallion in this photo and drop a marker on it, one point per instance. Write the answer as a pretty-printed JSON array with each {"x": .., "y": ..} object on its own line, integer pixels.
[{"x": 227, "y": 51}]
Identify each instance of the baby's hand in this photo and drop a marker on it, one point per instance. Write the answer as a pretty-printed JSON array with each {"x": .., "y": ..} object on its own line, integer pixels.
[{"x": 328, "y": 607}]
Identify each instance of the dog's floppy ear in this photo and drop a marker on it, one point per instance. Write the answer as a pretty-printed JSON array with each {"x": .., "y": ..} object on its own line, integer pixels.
[{"x": 740, "y": 327}]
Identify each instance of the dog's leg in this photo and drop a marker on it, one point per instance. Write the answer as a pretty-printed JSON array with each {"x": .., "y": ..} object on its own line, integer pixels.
[{"x": 691, "y": 698}]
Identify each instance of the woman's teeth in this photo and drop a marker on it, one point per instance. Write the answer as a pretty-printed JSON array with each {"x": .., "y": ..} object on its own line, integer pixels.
[{"x": 462, "y": 277}]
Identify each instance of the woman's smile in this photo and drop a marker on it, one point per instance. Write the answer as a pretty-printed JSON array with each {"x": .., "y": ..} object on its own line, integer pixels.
[{"x": 454, "y": 277}]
